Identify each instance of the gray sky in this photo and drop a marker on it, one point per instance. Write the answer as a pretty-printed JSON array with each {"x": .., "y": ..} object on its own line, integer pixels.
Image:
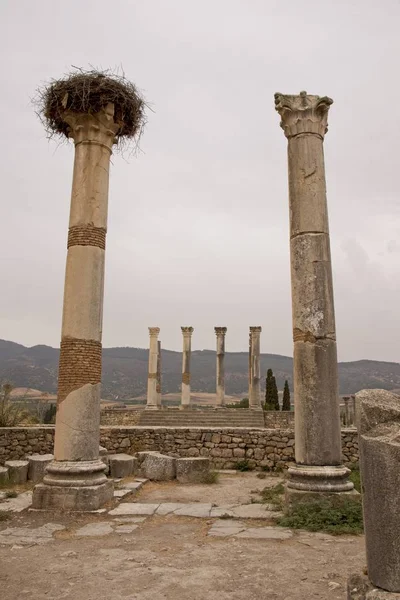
[{"x": 198, "y": 222}]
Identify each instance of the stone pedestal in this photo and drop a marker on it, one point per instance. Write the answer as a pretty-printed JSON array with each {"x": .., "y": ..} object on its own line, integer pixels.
[
  {"x": 186, "y": 355},
  {"x": 220, "y": 372},
  {"x": 76, "y": 479},
  {"x": 254, "y": 369},
  {"x": 317, "y": 415},
  {"x": 152, "y": 394},
  {"x": 360, "y": 588}
]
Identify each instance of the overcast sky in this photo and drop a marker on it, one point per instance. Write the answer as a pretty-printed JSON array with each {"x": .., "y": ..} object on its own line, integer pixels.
[{"x": 198, "y": 222}]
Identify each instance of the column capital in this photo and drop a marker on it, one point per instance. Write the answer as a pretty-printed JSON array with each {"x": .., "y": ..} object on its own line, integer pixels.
[
  {"x": 154, "y": 331},
  {"x": 303, "y": 114},
  {"x": 255, "y": 330},
  {"x": 97, "y": 128},
  {"x": 220, "y": 330},
  {"x": 187, "y": 331}
]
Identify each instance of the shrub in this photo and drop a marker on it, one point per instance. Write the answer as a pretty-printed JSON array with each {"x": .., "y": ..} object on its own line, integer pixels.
[
  {"x": 11, "y": 413},
  {"x": 243, "y": 465},
  {"x": 335, "y": 516}
]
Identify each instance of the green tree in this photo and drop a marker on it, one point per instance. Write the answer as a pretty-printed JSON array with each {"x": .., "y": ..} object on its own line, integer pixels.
[
  {"x": 286, "y": 397},
  {"x": 275, "y": 395},
  {"x": 50, "y": 414},
  {"x": 271, "y": 392}
]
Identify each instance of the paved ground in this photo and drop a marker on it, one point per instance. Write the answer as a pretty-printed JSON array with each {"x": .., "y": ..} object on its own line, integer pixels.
[{"x": 171, "y": 556}]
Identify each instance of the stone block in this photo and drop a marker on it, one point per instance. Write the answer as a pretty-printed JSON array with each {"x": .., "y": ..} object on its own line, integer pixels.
[
  {"x": 3, "y": 475},
  {"x": 192, "y": 470},
  {"x": 122, "y": 465},
  {"x": 159, "y": 467},
  {"x": 37, "y": 466},
  {"x": 85, "y": 498},
  {"x": 379, "y": 429},
  {"x": 17, "y": 471}
]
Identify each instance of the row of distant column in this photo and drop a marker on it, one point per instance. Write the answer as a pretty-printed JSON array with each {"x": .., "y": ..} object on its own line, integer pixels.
[{"x": 154, "y": 375}]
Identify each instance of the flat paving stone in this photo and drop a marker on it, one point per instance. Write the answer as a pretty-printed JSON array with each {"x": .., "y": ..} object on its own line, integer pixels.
[
  {"x": 226, "y": 527},
  {"x": 167, "y": 508},
  {"x": 124, "y": 520},
  {"x": 194, "y": 510},
  {"x": 253, "y": 511},
  {"x": 121, "y": 493},
  {"x": 125, "y": 528},
  {"x": 133, "y": 485},
  {"x": 94, "y": 529},
  {"x": 25, "y": 536},
  {"x": 134, "y": 508},
  {"x": 18, "y": 504},
  {"x": 220, "y": 511},
  {"x": 266, "y": 533}
]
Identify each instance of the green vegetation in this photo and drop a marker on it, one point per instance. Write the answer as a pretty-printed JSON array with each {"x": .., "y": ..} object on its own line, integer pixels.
[
  {"x": 286, "y": 396},
  {"x": 11, "y": 494},
  {"x": 11, "y": 414},
  {"x": 243, "y": 465},
  {"x": 271, "y": 392},
  {"x": 50, "y": 415},
  {"x": 244, "y": 403},
  {"x": 336, "y": 516},
  {"x": 274, "y": 496},
  {"x": 355, "y": 478}
]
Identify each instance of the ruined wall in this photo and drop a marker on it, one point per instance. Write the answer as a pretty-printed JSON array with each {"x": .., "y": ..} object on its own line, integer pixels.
[
  {"x": 225, "y": 446},
  {"x": 120, "y": 416},
  {"x": 274, "y": 419}
]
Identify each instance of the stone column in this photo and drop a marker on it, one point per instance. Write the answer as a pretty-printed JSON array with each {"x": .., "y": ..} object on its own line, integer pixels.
[
  {"x": 346, "y": 411},
  {"x": 152, "y": 393},
  {"x": 76, "y": 479},
  {"x": 220, "y": 372},
  {"x": 379, "y": 442},
  {"x": 186, "y": 354},
  {"x": 255, "y": 373},
  {"x": 317, "y": 417},
  {"x": 159, "y": 375}
]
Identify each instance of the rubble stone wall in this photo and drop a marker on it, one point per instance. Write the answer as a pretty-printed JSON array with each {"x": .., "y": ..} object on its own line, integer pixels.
[{"x": 261, "y": 448}]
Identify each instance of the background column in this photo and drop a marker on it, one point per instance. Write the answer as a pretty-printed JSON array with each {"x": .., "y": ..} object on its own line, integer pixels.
[
  {"x": 159, "y": 375},
  {"x": 186, "y": 355},
  {"x": 152, "y": 395},
  {"x": 317, "y": 417},
  {"x": 220, "y": 372},
  {"x": 255, "y": 373}
]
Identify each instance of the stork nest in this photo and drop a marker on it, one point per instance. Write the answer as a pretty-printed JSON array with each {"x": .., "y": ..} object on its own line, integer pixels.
[{"x": 89, "y": 92}]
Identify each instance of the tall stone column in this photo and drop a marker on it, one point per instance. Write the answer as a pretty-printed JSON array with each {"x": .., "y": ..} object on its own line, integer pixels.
[
  {"x": 152, "y": 393},
  {"x": 76, "y": 479},
  {"x": 317, "y": 418},
  {"x": 220, "y": 373},
  {"x": 159, "y": 375},
  {"x": 186, "y": 355},
  {"x": 255, "y": 373}
]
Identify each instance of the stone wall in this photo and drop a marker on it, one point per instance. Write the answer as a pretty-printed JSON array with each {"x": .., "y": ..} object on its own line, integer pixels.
[
  {"x": 120, "y": 416},
  {"x": 225, "y": 447},
  {"x": 275, "y": 419}
]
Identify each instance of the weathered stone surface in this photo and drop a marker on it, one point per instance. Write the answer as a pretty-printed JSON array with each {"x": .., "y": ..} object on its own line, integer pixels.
[
  {"x": 17, "y": 471},
  {"x": 18, "y": 504},
  {"x": 122, "y": 465},
  {"x": 266, "y": 533},
  {"x": 94, "y": 530},
  {"x": 192, "y": 470},
  {"x": 26, "y": 536},
  {"x": 159, "y": 467},
  {"x": 380, "y": 468},
  {"x": 3, "y": 475},
  {"x": 226, "y": 528},
  {"x": 197, "y": 509},
  {"x": 134, "y": 508},
  {"x": 82, "y": 498},
  {"x": 37, "y": 466}
]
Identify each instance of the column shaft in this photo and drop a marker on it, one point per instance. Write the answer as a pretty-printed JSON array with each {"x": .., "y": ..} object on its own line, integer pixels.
[
  {"x": 186, "y": 356},
  {"x": 159, "y": 375},
  {"x": 152, "y": 394},
  {"x": 255, "y": 373},
  {"x": 220, "y": 371}
]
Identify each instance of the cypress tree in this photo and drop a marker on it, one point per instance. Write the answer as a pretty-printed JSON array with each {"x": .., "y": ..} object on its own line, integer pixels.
[
  {"x": 275, "y": 395},
  {"x": 286, "y": 397},
  {"x": 269, "y": 390}
]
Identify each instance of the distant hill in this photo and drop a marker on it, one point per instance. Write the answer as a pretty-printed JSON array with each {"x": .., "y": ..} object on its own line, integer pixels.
[{"x": 125, "y": 371}]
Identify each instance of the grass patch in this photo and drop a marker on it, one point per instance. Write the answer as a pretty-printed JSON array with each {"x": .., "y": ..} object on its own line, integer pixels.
[
  {"x": 243, "y": 465},
  {"x": 273, "y": 495},
  {"x": 211, "y": 477},
  {"x": 11, "y": 494},
  {"x": 336, "y": 517},
  {"x": 355, "y": 478}
]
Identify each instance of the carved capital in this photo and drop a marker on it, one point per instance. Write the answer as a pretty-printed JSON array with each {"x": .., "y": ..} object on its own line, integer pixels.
[
  {"x": 187, "y": 331},
  {"x": 98, "y": 128},
  {"x": 255, "y": 330},
  {"x": 154, "y": 331},
  {"x": 220, "y": 331},
  {"x": 303, "y": 114}
]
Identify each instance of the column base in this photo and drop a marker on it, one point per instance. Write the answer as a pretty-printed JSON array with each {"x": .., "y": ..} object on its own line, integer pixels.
[
  {"x": 73, "y": 485},
  {"x": 255, "y": 408},
  {"x": 152, "y": 407},
  {"x": 315, "y": 478},
  {"x": 359, "y": 587}
]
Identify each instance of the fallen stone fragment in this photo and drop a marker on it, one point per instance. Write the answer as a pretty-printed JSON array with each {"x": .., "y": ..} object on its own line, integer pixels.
[
  {"x": 3, "y": 475},
  {"x": 158, "y": 467},
  {"x": 192, "y": 470},
  {"x": 122, "y": 465},
  {"x": 17, "y": 471},
  {"x": 37, "y": 466}
]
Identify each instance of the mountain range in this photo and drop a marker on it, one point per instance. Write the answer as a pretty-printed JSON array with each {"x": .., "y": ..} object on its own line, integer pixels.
[{"x": 125, "y": 371}]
